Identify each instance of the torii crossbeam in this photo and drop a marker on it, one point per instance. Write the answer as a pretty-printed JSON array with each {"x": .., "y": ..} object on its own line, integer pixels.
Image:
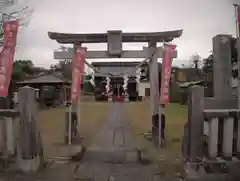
[{"x": 114, "y": 39}]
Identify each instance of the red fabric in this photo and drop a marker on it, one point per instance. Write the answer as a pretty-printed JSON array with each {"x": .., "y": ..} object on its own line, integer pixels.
[
  {"x": 10, "y": 29},
  {"x": 77, "y": 72},
  {"x": 118, "y": 98},
  {"x": 166, "y": 73},
  {"x": 121, "y": 98}
]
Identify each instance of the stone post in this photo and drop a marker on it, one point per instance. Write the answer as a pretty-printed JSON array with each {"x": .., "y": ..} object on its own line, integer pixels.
[
  {"x": 222, "y": 68},
  {"x": 195, "y": 123},
  {"x": 154, "y": 94},
  {"x": 31, "y": 151}
]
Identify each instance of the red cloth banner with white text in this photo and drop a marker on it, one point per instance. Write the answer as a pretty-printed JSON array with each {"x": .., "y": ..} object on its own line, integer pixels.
[
  {"x": 10, "y": 29},
  {"x": 166, "y": 72},
  {"x": 77, "y": 72},
  {"x": 238, "y": 18}
]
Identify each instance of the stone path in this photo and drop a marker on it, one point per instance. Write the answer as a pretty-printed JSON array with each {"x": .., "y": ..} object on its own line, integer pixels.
[{"x": 114, "y": 153}]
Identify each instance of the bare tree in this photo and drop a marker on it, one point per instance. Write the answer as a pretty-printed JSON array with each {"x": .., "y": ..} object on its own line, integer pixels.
[
  {"x": 63, "y": 66},
  {"x": 5, "y": 3},
  {"x": 13, "y": 9},
  {"x": 195, "y": 61}
]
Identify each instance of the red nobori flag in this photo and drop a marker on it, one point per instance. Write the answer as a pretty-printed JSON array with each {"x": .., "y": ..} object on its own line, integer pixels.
[
  {"x": 10, "y": 29},
  {"x": 77, "y": 72},
  {"x": 166, "y": 72}
]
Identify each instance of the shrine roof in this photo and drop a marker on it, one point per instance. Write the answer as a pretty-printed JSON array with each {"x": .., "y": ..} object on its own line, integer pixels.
[
  {"x": 42, "y": 79},
  {"x": 117, "y": 64},
  {"x": 68, "y": 38}
]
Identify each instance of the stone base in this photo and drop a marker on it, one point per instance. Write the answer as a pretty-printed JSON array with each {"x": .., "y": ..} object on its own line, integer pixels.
[
  {"x": 27, "y": 165},
  {"x": 74, "y": 131},
  {"x": 193, "y": 174}
]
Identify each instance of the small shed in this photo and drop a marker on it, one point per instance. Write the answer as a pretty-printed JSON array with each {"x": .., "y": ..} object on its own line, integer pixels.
[
  {"x": 184, "y": 87},
  {"x": 62, "y": 87}
]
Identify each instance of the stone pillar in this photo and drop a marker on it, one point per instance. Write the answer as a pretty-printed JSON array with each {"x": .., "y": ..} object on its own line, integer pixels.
[
  {"x": 154, "y": 94},
  {"x": 222, "y": 67},
  {"x": 195, "y": 123},
  {"x": 31, "y": 151},
  {"x": 213, "y": 137},
  {"x": 10, "y": 136},
  {"x": 222, "y": 85}
]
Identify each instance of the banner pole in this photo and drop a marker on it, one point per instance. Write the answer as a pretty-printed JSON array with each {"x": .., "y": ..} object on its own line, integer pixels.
[
  {"x": 162, "y": 126},
  {"x": 79, "y": 112},
  {"x": 164, "y": 91},
  {"x": 70, "y": 125},
  {"x": 236, "y": 6},
  {"x": 77, "y": 80}
]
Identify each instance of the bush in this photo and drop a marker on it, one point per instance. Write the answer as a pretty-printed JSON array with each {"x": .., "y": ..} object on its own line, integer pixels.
[{"x": 175, "y": 93}]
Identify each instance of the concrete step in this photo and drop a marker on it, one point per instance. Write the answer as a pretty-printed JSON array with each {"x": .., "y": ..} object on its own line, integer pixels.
[{"x": 109, "y": 156}]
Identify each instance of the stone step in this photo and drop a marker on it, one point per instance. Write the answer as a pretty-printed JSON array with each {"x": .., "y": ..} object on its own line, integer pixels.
[{"x": 113, "y": 156}]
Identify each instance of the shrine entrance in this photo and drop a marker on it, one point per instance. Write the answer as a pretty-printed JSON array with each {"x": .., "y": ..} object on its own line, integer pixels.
[
  {"x": 115, "y": 145},
  {"x": 114, "y": 40},
  {"x": 117, "y": 90}
]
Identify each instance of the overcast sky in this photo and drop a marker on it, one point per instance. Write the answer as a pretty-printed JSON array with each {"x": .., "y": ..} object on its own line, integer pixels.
[{"x": 200, "y": 21}]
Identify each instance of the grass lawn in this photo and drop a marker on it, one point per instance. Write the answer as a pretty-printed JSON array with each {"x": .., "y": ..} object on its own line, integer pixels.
[
  {"x": 52, "y": 125},
  {"x": 139, "y": 117},
  {"x": 93, "y": 115}
]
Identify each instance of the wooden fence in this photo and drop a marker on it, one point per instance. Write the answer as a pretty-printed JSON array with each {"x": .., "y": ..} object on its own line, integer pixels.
[{"x": 212, "y": 131}]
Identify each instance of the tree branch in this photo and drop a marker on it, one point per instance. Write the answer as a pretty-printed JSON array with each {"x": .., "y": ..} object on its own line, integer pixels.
[{"x": 18, "y": 14}]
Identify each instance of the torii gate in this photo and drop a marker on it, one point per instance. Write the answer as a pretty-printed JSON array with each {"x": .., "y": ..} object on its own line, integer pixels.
[{"x": 114, "y": 40}]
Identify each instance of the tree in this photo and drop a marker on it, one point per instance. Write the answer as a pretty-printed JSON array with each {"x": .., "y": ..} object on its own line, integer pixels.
[
  {"x": 208, "y": 69},
  {"x": 195, "y": 61},
  {"x": 22, "y": 68},
  {"x": 65, "y": 67},
  {"x": 208, "y": 64},
  {"x": 13, "y": 9},
  {"x": 5, "y": 3}
]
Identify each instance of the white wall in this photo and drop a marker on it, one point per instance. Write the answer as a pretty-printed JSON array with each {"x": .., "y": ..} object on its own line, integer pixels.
[{"x": 142, "y": 87}]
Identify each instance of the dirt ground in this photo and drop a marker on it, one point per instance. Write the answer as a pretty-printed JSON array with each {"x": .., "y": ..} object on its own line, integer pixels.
[
  {"x": 139, "y": 117},
  {"x": 93, "y": 116},
  {"x": 52, "y": 125}
]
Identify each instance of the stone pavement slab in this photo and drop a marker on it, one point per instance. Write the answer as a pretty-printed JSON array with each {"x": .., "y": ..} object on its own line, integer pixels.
[{"x": 114, "y": 153}]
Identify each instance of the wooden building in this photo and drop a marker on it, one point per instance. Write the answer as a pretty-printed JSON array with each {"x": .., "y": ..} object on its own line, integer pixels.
[
  {"x": 117, "y": 68},
  {"x": 52, "y": 90}
]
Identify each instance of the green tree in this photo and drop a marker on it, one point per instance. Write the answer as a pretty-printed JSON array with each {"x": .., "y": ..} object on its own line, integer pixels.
[
  {"x": 22, "y": 68},
  {"x": 208, "y": 64},
  {"x": 208, "y": 69}
]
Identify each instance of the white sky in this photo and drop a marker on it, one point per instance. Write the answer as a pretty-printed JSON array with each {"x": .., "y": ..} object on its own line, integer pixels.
[{"x": 200, "y": 21}]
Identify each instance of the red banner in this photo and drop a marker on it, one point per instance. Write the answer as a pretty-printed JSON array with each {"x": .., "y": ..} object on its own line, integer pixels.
[
  {"x": 77, "y": 72},
  {"x": 166, "y": 72},
  {"x": 10, "y": 29}
]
